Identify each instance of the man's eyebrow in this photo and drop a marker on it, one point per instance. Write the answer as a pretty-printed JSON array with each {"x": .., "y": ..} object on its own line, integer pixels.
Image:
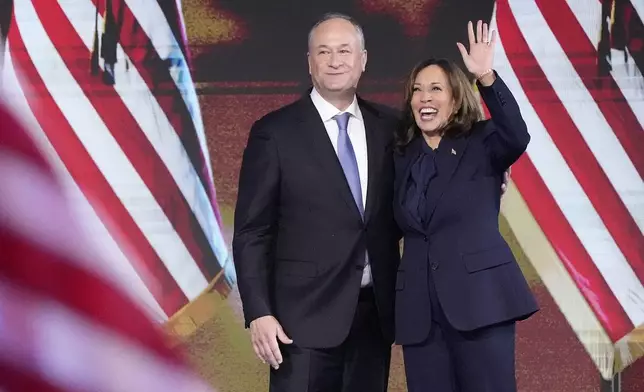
[{"x": 328, "y": 47}]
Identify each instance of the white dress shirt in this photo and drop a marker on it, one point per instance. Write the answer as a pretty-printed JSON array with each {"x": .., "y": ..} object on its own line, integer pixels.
[{"x": 358, "y": 137}]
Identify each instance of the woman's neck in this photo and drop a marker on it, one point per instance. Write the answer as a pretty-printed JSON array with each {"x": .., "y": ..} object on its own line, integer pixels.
[{"x": 432, "y": 139}]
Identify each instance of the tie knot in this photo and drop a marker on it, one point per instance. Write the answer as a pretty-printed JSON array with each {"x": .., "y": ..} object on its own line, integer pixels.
[{"x": 342, "y": 120}]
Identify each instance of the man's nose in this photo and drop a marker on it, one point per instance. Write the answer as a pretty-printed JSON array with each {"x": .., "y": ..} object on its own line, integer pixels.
[{"x": 335, "y": 60}]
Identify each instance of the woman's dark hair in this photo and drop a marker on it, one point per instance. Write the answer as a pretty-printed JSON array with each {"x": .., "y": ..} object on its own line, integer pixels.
[{"x": 467, "y": 108}]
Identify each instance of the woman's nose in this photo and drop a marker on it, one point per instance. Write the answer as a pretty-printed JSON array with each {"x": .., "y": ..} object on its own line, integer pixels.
[{"x": 425, "y": 97}]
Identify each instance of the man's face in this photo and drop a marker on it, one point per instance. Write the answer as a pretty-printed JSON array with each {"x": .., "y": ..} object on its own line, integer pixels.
[{"x": 336, "y": 57}]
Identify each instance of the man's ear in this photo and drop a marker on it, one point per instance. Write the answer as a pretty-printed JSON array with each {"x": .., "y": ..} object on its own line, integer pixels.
[
  {"x": 364, "y": 60},
  {"x": 308, "y": 60}
]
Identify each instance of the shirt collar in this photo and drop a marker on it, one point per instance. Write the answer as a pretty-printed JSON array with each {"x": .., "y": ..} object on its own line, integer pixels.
[{"x": 327, "y": 111}]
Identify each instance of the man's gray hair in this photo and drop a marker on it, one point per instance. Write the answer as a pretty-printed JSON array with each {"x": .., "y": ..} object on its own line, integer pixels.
[{"x": 338, "y": 15}]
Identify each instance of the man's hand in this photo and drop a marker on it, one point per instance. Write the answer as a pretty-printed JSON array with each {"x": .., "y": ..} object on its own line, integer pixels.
[
  {"x": 506, "y": 181},
  {"x": 264, "y": 333}
]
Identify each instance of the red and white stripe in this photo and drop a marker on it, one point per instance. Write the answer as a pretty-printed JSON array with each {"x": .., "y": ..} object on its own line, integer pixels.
[
  {"x": 134, "y": 152},
  {"x": 66, "y": 323},
  {"x": 582, "y": 175},
  {"x": 639, "y": 8},
  {"x": 150, "y": 16},
  {"x": 626, "y": 74},
  {"x": 126, "y": 275}
]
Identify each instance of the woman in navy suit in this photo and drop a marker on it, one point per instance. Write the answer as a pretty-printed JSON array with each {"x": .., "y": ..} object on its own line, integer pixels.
[{"x": 459, "y": 288}]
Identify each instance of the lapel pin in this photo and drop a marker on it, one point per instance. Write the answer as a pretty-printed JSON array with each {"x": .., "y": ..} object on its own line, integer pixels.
[{"x": 453, "y": 152}]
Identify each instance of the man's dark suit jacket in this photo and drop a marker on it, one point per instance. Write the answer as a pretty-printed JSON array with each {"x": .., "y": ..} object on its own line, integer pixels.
[
  {"x": 475, "y": 275},
  {"x": 299, "y": 238}
]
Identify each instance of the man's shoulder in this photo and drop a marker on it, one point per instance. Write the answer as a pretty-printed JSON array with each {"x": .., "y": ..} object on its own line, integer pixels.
[{"x": 282, "y": 115}]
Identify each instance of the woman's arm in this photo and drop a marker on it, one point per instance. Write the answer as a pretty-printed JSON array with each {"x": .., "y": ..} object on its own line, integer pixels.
[{"x": 508, "y": 137}]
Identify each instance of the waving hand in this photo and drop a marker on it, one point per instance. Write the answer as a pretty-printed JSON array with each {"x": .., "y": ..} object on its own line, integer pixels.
[{"x": 480, "y": 58}]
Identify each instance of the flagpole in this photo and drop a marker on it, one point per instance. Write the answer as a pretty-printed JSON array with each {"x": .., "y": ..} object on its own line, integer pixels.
[{"x": 612, "y": 385}]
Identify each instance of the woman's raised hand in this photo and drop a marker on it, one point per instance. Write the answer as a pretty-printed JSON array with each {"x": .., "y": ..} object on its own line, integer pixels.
[{"x": 481, "y": 55}]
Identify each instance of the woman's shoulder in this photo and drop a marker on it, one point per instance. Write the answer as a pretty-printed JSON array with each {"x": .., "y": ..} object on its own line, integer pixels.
[
  {"x": 408, "y": 150},
  {"x": 404, "y": 154}
]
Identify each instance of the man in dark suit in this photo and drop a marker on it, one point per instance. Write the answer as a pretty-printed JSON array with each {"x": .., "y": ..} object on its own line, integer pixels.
[{"x": 315, "y": 243}]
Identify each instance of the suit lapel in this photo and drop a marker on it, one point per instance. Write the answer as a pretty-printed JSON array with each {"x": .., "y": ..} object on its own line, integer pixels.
[
  {"x": 375, "y": 153},
  {"x": 318, "y": 142},
  {"x": 411, "y": 154},
  {"x": 452, "y": 150}
]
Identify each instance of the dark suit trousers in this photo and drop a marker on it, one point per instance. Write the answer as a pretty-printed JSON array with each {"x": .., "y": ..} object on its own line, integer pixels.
[
  {"x": 454, "y": 361},
  {"x": 360, "y": 363}
]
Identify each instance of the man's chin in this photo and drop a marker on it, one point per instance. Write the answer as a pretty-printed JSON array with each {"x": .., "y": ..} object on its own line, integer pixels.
[{"x": 337, "y": 88}]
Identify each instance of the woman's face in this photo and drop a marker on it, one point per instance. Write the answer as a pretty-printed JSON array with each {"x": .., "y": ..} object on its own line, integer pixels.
[{"x": 432, "y": 102}]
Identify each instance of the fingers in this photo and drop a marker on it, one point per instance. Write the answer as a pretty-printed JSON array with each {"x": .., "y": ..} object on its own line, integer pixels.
[
  {"x": 266, "y": 348},
  {"x": 505, "y": 183},
  {"x": 264, "y": 336},
  {"x": 493, "y": 37},
  {"x": 258, "y": 351},
  {"x": 483, "y": 33},
  {"x": 272, "y": 351},
  {"x": 282, "y": 336},
  {"x": 258, "y": 347},
  {"x": 462, "y": 49}
]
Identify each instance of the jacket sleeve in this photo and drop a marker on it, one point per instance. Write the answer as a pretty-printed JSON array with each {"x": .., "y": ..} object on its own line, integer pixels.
[
  {"x": 508, "y": 137},
  {"x": 255, "y": 221}
]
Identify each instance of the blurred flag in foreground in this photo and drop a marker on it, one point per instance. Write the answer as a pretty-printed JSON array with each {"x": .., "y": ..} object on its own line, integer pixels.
[{"x": 67, "y": 321}]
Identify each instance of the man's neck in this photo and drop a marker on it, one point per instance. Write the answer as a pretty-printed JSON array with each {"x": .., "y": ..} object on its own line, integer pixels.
[{"x": 341, "y": 101}]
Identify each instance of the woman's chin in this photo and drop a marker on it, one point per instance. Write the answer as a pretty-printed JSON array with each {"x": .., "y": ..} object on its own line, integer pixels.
[{"x": 428, "y": 128}]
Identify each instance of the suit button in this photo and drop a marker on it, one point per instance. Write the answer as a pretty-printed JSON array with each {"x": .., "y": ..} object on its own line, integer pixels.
[
  {"x": 425, "y": 238},
  {"x": 434, "y": 266}
]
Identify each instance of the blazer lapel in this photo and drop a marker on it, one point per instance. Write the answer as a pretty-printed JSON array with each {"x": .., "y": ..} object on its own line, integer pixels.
[
  {"x": 452, "y": 150},
  {"x": 410, "y": 155},
  {"x": 375, "y": 154},
  {"x": 317, "y": 140}
]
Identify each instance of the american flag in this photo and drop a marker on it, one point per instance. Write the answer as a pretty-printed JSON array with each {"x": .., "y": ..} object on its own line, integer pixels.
[
  {"x": 66, "y": 320},
  {"x": 575, "y": 67},
  {"x": 106, "y": 88}
]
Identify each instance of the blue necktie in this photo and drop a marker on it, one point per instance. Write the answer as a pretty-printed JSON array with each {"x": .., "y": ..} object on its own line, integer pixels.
[{"x": 348, "y": 160}]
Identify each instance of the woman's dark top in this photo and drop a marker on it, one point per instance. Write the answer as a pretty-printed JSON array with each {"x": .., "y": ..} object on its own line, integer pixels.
[{"x": 447, "y": 204}]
